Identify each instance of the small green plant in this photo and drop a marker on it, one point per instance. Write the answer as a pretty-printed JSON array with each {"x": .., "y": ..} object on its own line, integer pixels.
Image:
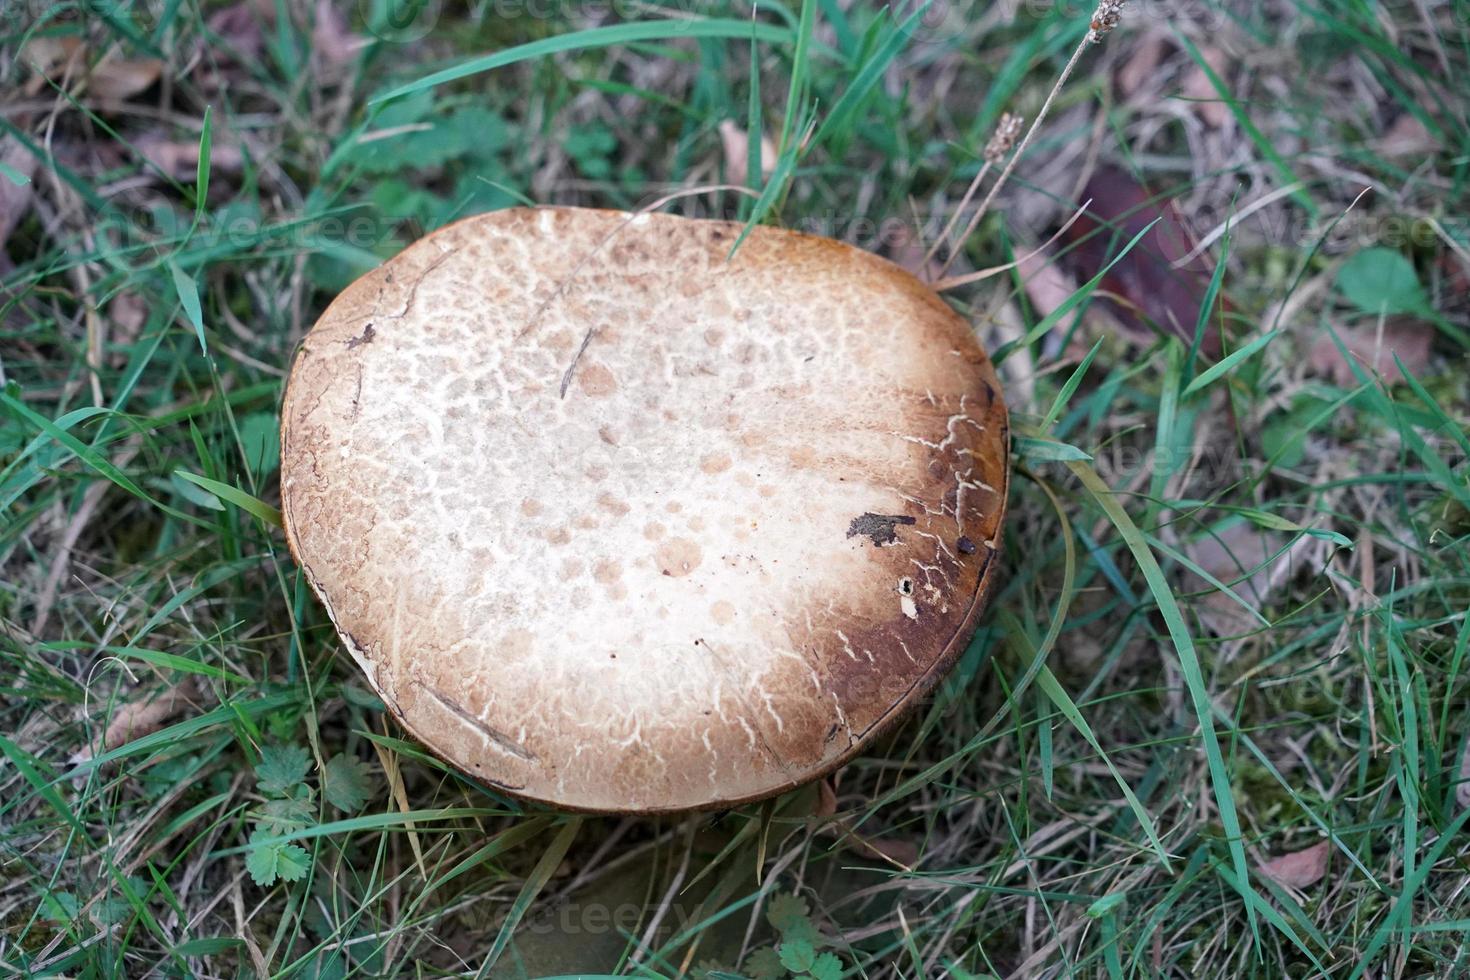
[
  {"x": 289, "y": 807},
  {"x": 795, "y": 954}
]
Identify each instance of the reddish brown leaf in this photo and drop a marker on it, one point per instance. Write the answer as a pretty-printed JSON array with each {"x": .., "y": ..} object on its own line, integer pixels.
[
  {"x": 736, "y": 143},
  {"x": 1251, "y": 561},
  {"x": 1406, "y": 337},
  {"x": 1198, "y": 88},
  {"x": 139, "y": 718},
  {"x": 1141, "y": 63},
  {"x": 65, "y": 60},
  {"x": 180, "y": 159},
  {"x": 241, "y": 26},
  {"x": 1405, "y": 137},
  {"x": 1299, "y": 869},
  {"x": 15, "y": 199},
  {"x": 330, "y": 36},
  {"x": 1456, "y": 273},
  {"x": 1047, "y": 286},
  {"x": 1146, "y": 292}
]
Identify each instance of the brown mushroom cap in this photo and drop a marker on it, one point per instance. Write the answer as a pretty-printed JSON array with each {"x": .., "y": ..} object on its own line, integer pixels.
[{"x": 615, "y": 524}]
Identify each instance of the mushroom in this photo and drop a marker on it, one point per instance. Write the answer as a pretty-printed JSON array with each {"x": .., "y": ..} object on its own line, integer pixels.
[{"x": 618, "y": 522}]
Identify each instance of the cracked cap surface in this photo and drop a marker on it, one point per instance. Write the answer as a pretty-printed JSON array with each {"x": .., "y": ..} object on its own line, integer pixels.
[{"x": 614, "y": 524}]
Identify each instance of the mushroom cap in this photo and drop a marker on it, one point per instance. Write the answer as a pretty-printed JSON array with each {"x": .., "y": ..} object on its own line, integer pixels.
[{"x": 616, "y": 522}]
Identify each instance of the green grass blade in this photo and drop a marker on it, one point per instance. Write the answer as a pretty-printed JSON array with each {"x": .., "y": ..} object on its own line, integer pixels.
[
  {"x": 534, "y": 883},
  {"x": 25, "y": 764},
  {"x": 168, "y": 661},
  {"x": 93, "y": 459},
  {"x": 14, "y": 176},
  {"x": 1403, "y": 905},
  {"x": 839, "y": 119},
  {"x": 1228, "y": 363},
  {"x": 1071, "y": 303},
  {"x": 188, "y": 292},
  {"x": 596, "y": 37},
  {"x": 800, "y": 69},
  {"x": 251, "y": 505},
  {"x": 1193, "y": 675},
  {"x": 1048, "y": 684},
  {"x": 1209, "y": 303},
  {"x": 1258, "y": 905},
  {"x": 1069, "y": 388}
]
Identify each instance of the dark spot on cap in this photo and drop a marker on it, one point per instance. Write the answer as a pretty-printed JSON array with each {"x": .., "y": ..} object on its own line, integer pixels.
[
  {"x": 881, "y": 528},
  {"x": 366, "y": 337}
]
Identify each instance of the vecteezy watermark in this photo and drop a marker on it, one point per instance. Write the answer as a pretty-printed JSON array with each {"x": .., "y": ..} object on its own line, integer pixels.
[
  {"x": 23, "y": 16},
  {"x": 949, "y": 21},
  {"x": 1201, "y": 13},
  {"x": 410, "y": 20},
  {"x": 577, "y": 918},
  {"x": 590, "y": 10},
  {"x": 873, "y": 234},
  {"x": 400, "y": 20},
  {"x": 125, "y": 227},
  {"x": 936, "y": 21},
  {"x": 1288, "y": 226}
]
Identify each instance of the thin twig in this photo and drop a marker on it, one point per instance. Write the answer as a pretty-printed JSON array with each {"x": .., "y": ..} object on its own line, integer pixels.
[
  {"x": 999, "y": 145},
  {"x": 943, "y": 237},
  {"x": 1104, "y": 19},
  {"x": 969, "y": 277},
  {"x": 979, "y": 214}
]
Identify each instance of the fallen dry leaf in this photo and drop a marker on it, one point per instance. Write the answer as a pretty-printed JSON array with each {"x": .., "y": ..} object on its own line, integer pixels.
[
  {"x": 1407, "y": 337},
  {"x": 1456, "y": 271},
  {"x": 64, "y": 61},
  {"x": 241, "y": 28},
  {"x": 907, "y": 250},
  {"x": 180, "y": 159},
  {"x": 1047, "y": 286},
  {"x": 1462, "y": 790},
  {"x": 1299, "y": 869},
  {"x": 1406, "y": 136},
  {"x": 737, "y": 153},
  {"x": 826, "y": 799},
  {"x": 127, "y": 312},
  {"x": 15, "y": 199},
  {"x": 1142, "y": 61},
  {"x": 902, "y": 851},
  {"x": 1145, "y": 291},
  {"x": 896, "y": 850},
  {"x": 118, "y": 79},
  {"x": 138, "y": 718},
  {"x": 330, "y": 36},
  {"x": 1241, "y": 556},
  {"x": 47, "y": 55},
  {"x": 1199, "y": 90}
]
